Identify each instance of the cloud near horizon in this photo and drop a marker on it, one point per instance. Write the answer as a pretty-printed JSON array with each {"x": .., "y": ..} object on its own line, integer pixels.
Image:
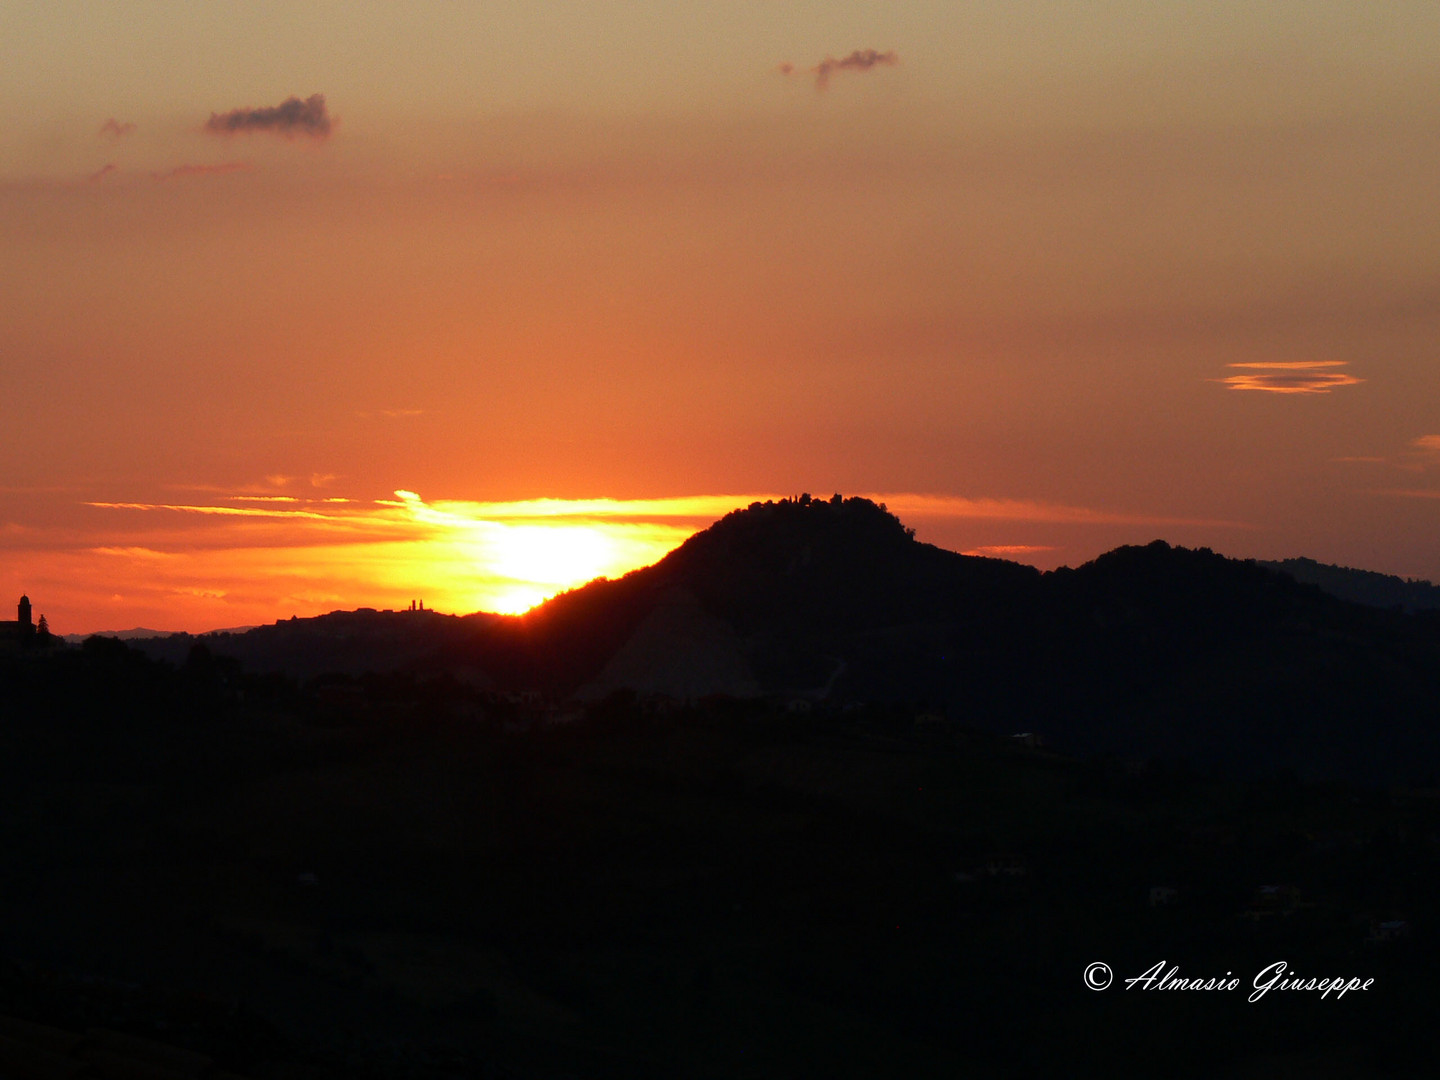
[
  {"x": 247, "y": 556},
  {"x": 696, "y": 511},
  {"x": 291, "y": 117},
  {"x": 995, "y": 551},
  {"x": 1029, "y": 510},
  {"x": 860, "y": 60},
  {"x": 243, "y": 564}
]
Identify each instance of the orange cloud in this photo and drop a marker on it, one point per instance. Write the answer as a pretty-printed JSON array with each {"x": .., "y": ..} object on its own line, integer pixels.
[
  {"x": 1291, "y": 377},
  {"x": 1031, "y": 510},
  {"x": 245, "y": 557},
  {"x": 250, "y": 563},
  {"x": 103, "y": 172},
  {"x": 290, "y": 118},
  {"x": 116, "y": 129},
  {"x": 223, "y": 511},
  {"x": 999, "y": 551},
  {"x": 1430, "y": 444},
  {"x": 133, "y": 552}
]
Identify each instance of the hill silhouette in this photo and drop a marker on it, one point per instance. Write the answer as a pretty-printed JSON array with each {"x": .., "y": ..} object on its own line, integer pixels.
[
  {"x": 498, "y": 846},
  {"x": 1363, "y": 586},
  {"x": 1146, "y": 652},
  {"x": 806, "y": 585}
]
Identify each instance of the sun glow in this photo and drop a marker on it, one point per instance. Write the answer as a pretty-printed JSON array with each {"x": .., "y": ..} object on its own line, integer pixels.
[
  {"x": 553, "y": 555},
  {"x": 220, "y": 558},
  {"x": 523, "y": 553},
  {"x": 200, "y": 564},
  {"x": 516, "y": 566}
]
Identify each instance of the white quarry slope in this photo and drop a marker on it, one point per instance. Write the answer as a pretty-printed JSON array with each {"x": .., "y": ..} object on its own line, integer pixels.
[{"x": 679, "y": 650}]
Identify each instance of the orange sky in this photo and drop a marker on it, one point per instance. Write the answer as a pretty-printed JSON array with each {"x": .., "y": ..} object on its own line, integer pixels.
[{"x": 1173, "y": 272}]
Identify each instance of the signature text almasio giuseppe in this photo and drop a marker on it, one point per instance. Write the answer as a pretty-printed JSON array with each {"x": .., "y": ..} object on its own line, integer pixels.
[{"x": 1276, "y": 977}]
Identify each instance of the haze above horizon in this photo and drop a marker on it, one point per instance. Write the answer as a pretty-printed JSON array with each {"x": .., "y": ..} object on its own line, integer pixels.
[{"x": 1081, "y": 277}]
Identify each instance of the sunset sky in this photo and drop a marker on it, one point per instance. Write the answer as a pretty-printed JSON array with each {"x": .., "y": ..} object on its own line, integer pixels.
[{"x": 319, "y": 306}]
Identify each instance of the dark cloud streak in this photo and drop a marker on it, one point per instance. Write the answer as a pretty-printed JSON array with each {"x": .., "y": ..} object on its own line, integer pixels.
[
  {"x": 117, "y": 129},
  {"x": 859, "y": 60},
  {"x": 291, "y": 117}
]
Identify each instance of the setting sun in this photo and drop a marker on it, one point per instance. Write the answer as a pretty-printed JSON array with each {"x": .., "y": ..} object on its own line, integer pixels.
[{"x": 243, "y": 558}]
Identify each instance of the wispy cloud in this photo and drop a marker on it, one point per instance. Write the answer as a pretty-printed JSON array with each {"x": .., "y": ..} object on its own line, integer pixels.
[
  {"x": 461, "y": 556},
  {"x": 1031, "y": 510},
  {"x": 1413, "y": 493},
  {"x": 180, "y": 172},
  {"x": 999, "y": 551},
  {"x": 1416, "y": 456},
  {"x": 685, "y": 507},
  {"x": 116, "y": 129},
  {"x": 219, "y": 511},
  {"x": 102, "y": 172},
  {"x": 246, "y": 556},
  {"x": 860, "y": 60},
  {"x": 1290, "y": 377},
  {"x": 134, "y": 552},
  {"x": 291, "y": 117}
]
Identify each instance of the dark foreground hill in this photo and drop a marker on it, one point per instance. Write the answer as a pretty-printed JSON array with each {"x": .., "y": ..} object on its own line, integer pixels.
[
  {"x": 728, "y": 890},
  {"x": 426, "y": 874},
  {"x": 1147, "y": 652}
]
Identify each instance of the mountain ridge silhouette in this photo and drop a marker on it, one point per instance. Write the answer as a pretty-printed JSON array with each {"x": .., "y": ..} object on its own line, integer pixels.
[{"x": 1147, "y": 651}]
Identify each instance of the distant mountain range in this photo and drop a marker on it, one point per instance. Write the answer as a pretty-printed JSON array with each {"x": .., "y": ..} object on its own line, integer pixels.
[
  {"x": 1363, "y": 586},
  {"x": 144, "y": 632},
  {"x": 1145, "y": 652},
  {"x": 123, "y": 635}
]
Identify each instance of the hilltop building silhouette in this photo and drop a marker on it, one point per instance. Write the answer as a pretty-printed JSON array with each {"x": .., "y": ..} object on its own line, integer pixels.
[
  {"x": 23, "y": 633},
  {"x": 19, "y": 632}
]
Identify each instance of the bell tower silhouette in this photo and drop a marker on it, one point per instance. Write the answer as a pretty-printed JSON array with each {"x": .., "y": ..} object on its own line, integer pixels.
[{"x": 25, "y": 625}]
